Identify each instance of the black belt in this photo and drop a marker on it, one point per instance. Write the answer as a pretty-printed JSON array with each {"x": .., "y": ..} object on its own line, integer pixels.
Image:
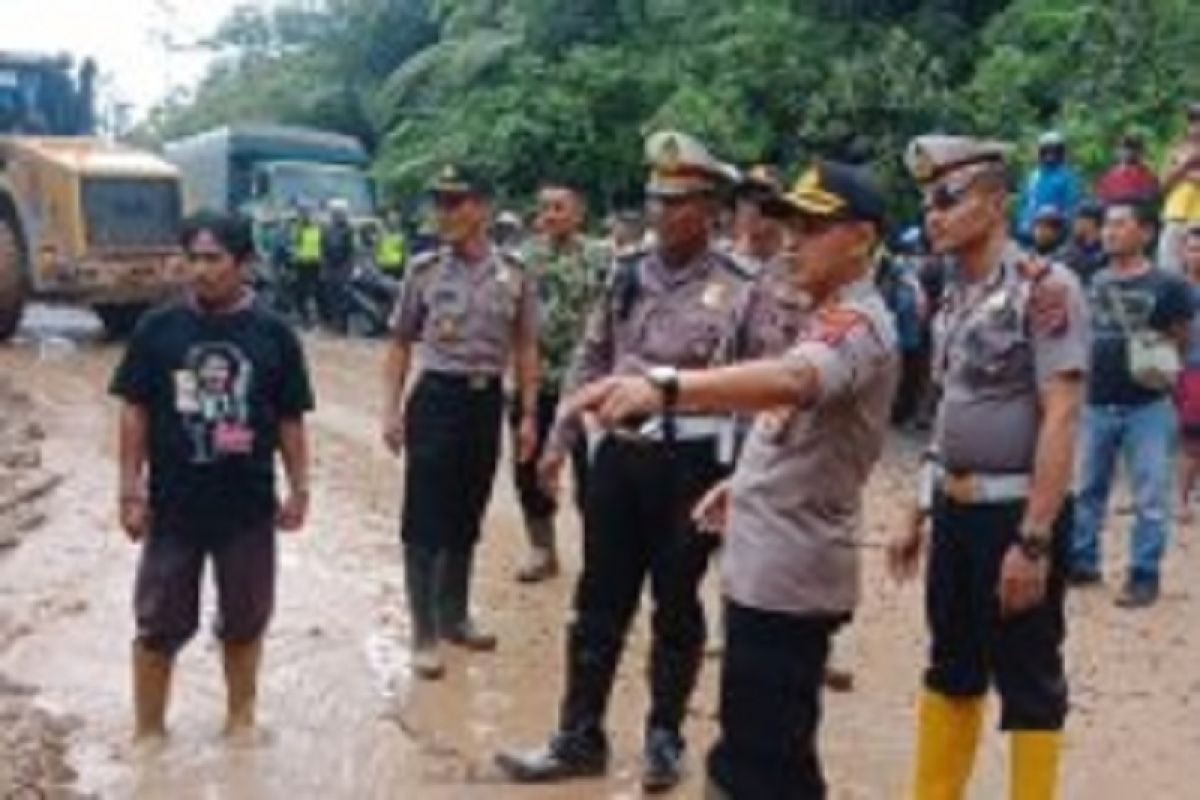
[{"x": 472, "y": 381}]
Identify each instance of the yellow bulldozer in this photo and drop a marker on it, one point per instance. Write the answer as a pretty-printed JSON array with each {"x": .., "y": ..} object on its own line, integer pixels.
[{"x": 82, "y": 220}]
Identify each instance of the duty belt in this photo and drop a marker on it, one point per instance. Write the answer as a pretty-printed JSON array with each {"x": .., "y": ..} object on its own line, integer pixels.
[{"x": 970, "y": 488}]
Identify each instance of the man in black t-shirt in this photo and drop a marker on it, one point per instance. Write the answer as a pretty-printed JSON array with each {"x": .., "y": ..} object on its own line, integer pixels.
[
  {"x": 212, "y": 387},
  {"x": 1127, "y": 413}
]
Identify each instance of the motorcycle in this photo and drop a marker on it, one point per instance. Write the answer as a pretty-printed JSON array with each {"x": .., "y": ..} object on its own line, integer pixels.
[{"x": 370, "y": 296}]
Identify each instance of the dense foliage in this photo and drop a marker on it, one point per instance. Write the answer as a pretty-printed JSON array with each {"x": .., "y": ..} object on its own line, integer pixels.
[{"x": 530, "y": 87}]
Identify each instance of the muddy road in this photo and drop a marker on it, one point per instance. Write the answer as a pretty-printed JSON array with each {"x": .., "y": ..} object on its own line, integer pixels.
[{"x": 347, "y": 719}]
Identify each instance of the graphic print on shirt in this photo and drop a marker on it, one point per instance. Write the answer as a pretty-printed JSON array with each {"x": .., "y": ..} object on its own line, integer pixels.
[
  {"x": 212, "y": 399},
  {"x": 1114, "y": 309}
]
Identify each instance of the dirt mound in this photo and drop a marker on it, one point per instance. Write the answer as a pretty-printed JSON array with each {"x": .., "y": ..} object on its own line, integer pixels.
[{"x": 23, "y": 480}]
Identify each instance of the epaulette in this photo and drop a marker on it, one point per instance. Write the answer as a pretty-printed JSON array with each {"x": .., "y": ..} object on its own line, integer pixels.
[
  {"x": 513, "y": 258},
  {"x": 425, "y": 261},
  {"x": 730, "y": 264}
]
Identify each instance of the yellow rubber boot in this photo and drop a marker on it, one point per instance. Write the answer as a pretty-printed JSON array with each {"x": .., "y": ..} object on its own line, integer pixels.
[
  {"x": 947, "y": 737},
  {"x": 1034, "y": 765}
]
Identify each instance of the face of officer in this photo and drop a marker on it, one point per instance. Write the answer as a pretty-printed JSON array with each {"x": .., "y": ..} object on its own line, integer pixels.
[
  {"x": 461, "y": 217},
  {"x": 217, "y": 280},
  {"x": 681, "y": 224},
  {"x": 825, "y": 254},
  {"x": 1125, "y": 236},
  {"x": 962, "y": 211},
  {"x": 754, "y": 231},
  {"x": 560, "y": 212}
]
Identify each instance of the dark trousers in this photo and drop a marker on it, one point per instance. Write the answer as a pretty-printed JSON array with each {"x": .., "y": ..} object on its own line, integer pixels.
[
  {"x": 308, "y": 292},
  {"x": 452, "y": 438},
  {"x": 332, "y": 299},
  {"x": 771, "y": 682},
  {"x": 638, "y": 524},
  {"x": 170, "y": 573},
  {"x": 972, "y": 645},
  {"x": 535, "y": 503}
]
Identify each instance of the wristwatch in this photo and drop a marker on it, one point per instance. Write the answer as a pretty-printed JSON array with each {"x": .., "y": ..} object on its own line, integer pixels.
[
  {"x": 666, "y": 380},
  {"x": 1034, "y": 543}
]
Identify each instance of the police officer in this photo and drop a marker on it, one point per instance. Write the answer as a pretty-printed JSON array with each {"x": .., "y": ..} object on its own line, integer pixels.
[
  {"x": 468, "y": 311},
  {"x": 757, "y": 236},
  {"x": 672, "y": 308},
  {"x": 391, "y": 247},
  {"x": 565, "y": 266},
  {"x": 306, "y": 264},
  {"x": 338, "y": 252},
  {"x": 791, "y": 511},
  {"x": 1011, "y": 352}
]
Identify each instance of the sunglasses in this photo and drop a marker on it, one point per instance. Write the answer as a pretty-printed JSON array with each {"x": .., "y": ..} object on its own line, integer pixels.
[{"x": 944, "y": 197}]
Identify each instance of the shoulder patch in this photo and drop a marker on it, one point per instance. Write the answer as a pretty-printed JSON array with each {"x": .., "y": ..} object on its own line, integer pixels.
[
  {"x": 425, "y": 261},
  {"x": 833, "y": 325},
  {"x": 730, "y": 265}
]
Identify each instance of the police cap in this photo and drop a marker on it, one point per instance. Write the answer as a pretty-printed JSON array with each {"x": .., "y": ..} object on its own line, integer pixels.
[
  {"x": 833, "y": 190},
  {"x": 459, "y": 179},
  {"x": 932, "y": 157},
  {"x": 680, "y": 166}
]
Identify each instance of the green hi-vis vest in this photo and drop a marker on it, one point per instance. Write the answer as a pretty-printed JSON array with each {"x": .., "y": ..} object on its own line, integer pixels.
[
  {"x": 389, "y": 253},
  {"x": 308, "y": 244}
]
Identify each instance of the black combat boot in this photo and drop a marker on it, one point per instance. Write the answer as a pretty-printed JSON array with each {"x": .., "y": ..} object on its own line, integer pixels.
[
  {"x": 580, "y": 748},
  {"x": 456, "y": 625},
  {"x": 673, "y": 675}
]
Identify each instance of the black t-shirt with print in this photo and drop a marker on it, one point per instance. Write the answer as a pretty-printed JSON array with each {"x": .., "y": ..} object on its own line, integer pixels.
[
  {"x": 1157, "y": 300},
  {"x": 216, "y": 387}
]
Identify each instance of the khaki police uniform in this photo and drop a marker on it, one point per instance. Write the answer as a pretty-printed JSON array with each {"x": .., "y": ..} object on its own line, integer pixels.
[
  {"x": 791, "y": 558},
  {"x": 992, "y": 356},
  {"x": 643, "y": 483},
  {"x": 464, "y": 321}
]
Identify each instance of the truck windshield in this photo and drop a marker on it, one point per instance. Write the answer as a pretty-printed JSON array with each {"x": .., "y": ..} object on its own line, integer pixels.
[
  {"x": 313, "y": 186},
  {"x": 42, "y": 99}
]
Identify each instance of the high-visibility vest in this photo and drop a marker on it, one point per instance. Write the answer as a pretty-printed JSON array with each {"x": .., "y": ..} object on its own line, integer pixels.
[
  {"x": 389, "y": 253},
  {"x": 308, "y": 244}
]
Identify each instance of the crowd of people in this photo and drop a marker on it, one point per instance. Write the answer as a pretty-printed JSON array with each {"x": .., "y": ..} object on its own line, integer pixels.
[{"x": 714, "y": 392}]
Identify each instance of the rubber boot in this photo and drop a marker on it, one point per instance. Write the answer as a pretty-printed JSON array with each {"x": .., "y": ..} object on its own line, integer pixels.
[
  {"x": 420, "y": 582},
  {"x": 947, "y": 737},
  {"x": 455, "y": 623},
  {"x": 543, "y": 558},
  {"x": 674, "y": 672},
  {"x": 151, "y": 690},
  {"x": 580, "y": 747},
  {"x": 241, "y": 661},
  {"x": 1034, "y": 767}
]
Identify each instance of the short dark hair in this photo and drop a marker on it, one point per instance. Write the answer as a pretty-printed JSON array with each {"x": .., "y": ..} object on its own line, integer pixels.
[
  {"x": 232, "y": 231},
  {"x": 1090, "y": 209},
  {"x": 1143, "y": 212}
]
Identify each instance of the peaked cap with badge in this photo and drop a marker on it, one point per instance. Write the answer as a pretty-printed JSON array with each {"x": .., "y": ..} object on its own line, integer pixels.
[
  {"x": 832, "y": 190},
  {"x": 680, "y": 165},
  {"x": 934, "y": 156},
  {"x": 457, "y": 179}
]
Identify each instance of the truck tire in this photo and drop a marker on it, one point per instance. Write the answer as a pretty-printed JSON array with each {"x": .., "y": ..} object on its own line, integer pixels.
[
  {"x": 120, "y": 320},
  {"x": 13, "y": 285}
]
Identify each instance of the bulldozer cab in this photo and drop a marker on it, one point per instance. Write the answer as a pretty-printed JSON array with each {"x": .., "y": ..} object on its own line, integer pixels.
[{"x": 46, "y": 96}]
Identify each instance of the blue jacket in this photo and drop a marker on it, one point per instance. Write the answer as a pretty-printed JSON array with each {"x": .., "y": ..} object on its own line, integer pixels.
[{"x": 1055, "y": 185}]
